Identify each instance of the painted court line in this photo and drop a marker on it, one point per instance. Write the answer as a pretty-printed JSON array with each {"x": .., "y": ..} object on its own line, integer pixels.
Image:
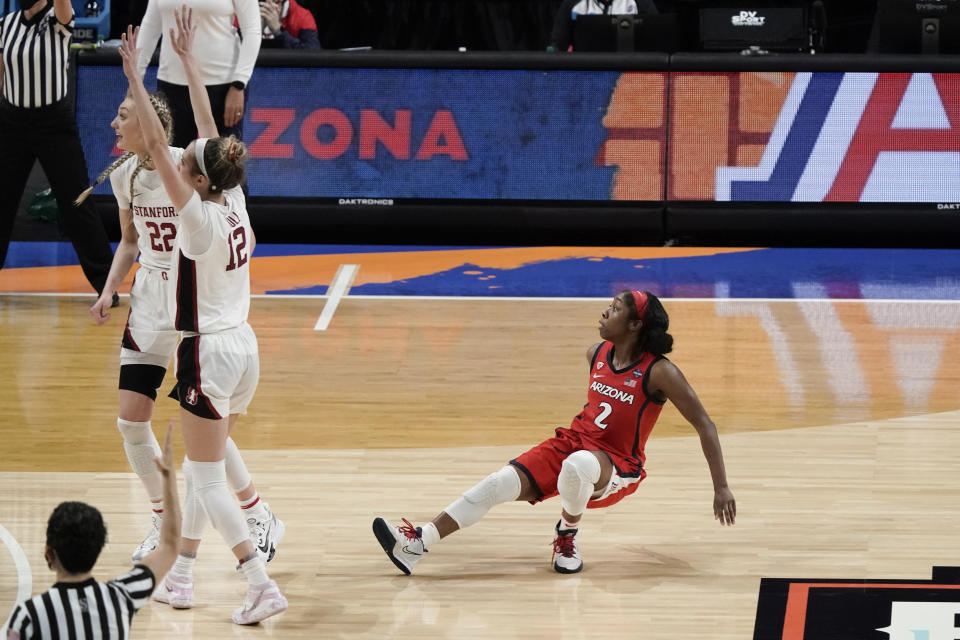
[
  {"x": 307, "y": 296},
  {"x": 24, "y": 577},
  {"x": 338, "y": 289}
]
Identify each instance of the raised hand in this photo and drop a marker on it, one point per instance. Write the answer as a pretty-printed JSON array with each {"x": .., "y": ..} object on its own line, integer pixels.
[
  {"x": 165, "y": 462},
  {"x": 130, "y": 52},
  {"x": 182, "y": 39}
]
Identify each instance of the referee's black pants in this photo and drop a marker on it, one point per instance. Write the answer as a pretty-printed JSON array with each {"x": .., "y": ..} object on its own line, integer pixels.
[{"x": 49, "y": 134}]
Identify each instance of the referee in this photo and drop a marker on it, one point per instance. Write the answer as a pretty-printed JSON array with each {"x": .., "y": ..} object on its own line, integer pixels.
[
  {"x": 78, "y": 606},
  {"x": 37, "y": 123}
]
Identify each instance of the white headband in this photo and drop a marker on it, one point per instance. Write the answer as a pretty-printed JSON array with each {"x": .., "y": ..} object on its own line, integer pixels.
[{"x": 198, "y": 151}]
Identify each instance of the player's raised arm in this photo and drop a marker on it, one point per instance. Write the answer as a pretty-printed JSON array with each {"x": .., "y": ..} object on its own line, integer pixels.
[
  {"x": 668, "y": 379},
  {"x": 153, "y": 133}
]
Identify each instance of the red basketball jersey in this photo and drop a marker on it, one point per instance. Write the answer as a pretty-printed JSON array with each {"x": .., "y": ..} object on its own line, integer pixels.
[{"x": 619, "y": 414}]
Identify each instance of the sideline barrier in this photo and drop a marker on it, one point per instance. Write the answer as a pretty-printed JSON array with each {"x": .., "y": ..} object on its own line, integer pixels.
[{"x": 622, "y": 149}]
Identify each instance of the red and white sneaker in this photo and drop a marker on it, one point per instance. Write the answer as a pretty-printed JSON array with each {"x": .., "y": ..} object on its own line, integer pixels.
[
  {"x": 262, "y": 601},
  {"x": 403, "y": 544},
  {"x": 566, "y": 558},
  {"x": 175, "y": 590}
]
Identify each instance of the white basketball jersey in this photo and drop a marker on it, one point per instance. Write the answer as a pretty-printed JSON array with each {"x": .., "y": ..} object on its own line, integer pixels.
[
  {"x": 211, "y": 290},
  {"x": 154, "y": 216}
]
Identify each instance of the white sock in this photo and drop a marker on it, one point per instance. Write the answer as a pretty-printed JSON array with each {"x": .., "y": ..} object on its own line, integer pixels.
[
  {"x": 429, "y": 534},
  {"x": 254, "y": 570},
  {"x": 565, "y": 525},
  {"x": 184, "y": 564},
  {"x": 254, "y": 507}
]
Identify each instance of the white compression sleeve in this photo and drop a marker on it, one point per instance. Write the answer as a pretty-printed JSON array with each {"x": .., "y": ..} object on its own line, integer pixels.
[
  {"x": 194, "y": 517},
  {"x": 210, "y": 481},
  {"x": 497, "y": 488},
  {"x": 238, "y": 478}
]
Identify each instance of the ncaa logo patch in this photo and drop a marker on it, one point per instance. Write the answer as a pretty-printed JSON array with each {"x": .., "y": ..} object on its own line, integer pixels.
[
  {"x": 801, "y": 609},
  {"x": 192, "y": 396}
]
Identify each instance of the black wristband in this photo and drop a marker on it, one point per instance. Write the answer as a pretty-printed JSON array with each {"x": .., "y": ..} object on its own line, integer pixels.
[{"x": 236, "y": 84}]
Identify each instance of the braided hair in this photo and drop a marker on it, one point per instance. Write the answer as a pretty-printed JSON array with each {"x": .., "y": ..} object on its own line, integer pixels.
[{"x": 160, "y": 105}]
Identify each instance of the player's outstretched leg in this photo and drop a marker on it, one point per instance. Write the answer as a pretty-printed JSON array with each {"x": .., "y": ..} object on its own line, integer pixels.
[{"x": 406, "y": 544}]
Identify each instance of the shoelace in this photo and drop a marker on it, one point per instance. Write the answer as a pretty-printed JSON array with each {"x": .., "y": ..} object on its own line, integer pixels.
[
  {"x": 564, "y": 545},
  {"x": 408, "y": 530}
]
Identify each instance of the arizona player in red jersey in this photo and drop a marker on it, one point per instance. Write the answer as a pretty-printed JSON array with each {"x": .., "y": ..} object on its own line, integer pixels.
[{"x": 598, "y": 460}]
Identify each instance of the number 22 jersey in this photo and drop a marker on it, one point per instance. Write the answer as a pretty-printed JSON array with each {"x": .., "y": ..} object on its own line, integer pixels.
[{"x": 154, "y": 215}]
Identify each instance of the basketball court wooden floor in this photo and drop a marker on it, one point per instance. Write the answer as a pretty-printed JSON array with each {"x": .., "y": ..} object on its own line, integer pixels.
[{"x": 838, "y": 420}]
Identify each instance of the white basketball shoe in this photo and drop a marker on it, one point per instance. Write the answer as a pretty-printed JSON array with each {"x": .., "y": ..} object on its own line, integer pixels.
[
  {"x": 262, "y": 601},
  {"x": 566, "y": 557},
  {"x": 151, "y": 540},
  {"x": 266, "y": 533},
  {"x": 402, "y": 544},
  {"x": 176, "y": 590}
]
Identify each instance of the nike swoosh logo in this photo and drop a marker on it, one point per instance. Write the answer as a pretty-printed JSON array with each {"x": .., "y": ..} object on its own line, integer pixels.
[
  {"x": 265, "y": 548},
  {"x": 255, "y": 603},
  {"x": 595, "y": 376},
  {"x": 407, "y": 549}
]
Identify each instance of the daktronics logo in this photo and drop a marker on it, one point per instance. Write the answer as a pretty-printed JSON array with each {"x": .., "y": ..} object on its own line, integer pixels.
[
  {"x": 747, "y": 19},
  {"x": 328, "y": 134}
]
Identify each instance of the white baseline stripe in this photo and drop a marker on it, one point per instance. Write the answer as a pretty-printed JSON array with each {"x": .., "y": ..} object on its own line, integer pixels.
[
  {"x": 530, "y": 298},
  {"x": 24, "y": 576},
  {"x": 338, "y": 289}
]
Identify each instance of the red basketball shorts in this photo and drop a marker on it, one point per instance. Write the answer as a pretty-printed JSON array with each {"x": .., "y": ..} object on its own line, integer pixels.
[{"x": 542, "y": 463}]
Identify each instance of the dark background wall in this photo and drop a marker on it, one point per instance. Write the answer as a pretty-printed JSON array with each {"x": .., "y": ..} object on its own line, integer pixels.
[{"x": 494, "y": 25}]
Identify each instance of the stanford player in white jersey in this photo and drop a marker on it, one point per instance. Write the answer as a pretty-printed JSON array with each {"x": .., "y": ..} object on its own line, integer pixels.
[
  {"x": 599, "y": 459},
  {"x": 212, "y": 276},
  {"x": 149, "y": 222},
  {"x": 217, "y": 360}
]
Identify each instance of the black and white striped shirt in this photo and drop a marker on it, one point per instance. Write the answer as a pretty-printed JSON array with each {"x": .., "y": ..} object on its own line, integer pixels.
[
  {"x": 35, "y": 58},
  {"x": 89, "y": 610}
]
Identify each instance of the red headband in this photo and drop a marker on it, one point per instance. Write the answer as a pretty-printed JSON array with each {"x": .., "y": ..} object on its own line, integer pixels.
[{"x": 640, "y": 300}]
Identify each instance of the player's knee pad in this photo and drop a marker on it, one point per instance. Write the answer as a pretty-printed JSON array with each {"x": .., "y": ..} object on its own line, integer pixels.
[
  {"x": 141, "y": 447},
  {"x": 579, "y": 473},
  {"x": 498, "y": 487},
  {"x": 142, "y": 378},
  {"x": 136, "y": 432},
  {"x": 584, "y": 465},
  {"x": 238, "y": 478},
  {"x": 210, "y": 484}
]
